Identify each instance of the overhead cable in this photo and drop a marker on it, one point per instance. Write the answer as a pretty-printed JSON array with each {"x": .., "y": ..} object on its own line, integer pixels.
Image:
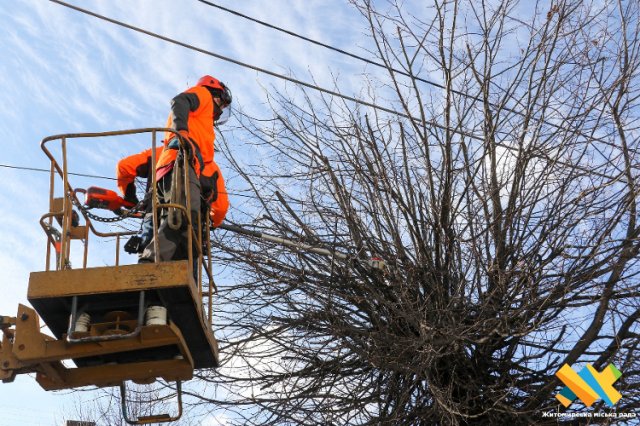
[
  {"x": 383, "y": 66},
  {"x": 323, "y": 90},
  {"x": 35, "y": 169},
  {"x": 264, "y": 71},
  {"x": 335, "y": 49}
]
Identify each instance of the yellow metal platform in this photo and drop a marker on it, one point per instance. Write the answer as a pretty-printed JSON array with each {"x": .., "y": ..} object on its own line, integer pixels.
[{"x": 101, "y": 291}]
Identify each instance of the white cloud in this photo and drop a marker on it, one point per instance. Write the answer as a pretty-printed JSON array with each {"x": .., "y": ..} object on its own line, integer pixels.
[{"x": 63, "y": 71}]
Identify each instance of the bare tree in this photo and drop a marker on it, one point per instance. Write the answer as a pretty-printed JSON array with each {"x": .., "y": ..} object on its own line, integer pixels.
[{"x": 502, "y": 197}]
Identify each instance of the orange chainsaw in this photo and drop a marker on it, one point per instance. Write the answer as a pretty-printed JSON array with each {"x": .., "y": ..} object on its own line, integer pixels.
[{"x": 100, "y": 198}]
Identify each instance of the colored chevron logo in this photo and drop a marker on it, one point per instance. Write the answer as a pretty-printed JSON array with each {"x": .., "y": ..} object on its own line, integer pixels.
[{"x": 589, "y": 385}]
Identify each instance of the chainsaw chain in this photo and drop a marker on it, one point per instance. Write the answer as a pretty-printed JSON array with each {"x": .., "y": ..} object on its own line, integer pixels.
[{"x": 129, "y": 213}]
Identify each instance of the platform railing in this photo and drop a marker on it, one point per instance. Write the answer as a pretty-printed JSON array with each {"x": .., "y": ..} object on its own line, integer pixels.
[{"x": 63, "y": 212}]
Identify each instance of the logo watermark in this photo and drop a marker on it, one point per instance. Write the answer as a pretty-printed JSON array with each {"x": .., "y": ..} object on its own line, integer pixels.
[{"x": 589, "y": 385}]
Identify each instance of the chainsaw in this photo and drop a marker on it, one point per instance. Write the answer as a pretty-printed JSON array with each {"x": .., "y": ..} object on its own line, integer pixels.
[{"x": 100, "y": 198}]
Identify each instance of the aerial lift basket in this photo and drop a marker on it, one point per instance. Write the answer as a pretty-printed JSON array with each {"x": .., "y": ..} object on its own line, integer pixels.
[{"x": 99, "y": 316}]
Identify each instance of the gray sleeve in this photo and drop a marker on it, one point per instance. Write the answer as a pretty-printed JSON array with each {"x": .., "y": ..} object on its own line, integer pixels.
[{"x": 181, "y": 105}]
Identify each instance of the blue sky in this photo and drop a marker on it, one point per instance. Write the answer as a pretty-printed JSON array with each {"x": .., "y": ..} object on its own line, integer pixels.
[{"x": 63, "y": 71}]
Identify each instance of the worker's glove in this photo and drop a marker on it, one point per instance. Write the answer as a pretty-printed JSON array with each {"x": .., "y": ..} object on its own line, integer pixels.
[
  {"x": 134, "y": 245},
  {"x": 191, "y": 148},
  {"x": 174, "y": 143},
  {"x": 189, "y": 143}
]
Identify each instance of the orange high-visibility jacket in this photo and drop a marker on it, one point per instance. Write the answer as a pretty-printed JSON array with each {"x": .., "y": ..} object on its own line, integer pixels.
[
  {"x": 138, "y": 165},
  {"x": 220, "y": 202},
  {"x": 192, "y": 111}
]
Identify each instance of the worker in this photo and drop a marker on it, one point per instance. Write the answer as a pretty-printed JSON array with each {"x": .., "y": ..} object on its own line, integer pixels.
[
  {"x": 131, "y": 167},
  {"x": 193, "y": 115}
]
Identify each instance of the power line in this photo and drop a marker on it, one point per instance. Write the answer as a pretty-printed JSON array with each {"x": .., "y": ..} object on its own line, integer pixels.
[
  {"x": 35, "y": 169},
  {"x": 262, "y": 70},
  {"x": 384, "y": 66},
  {"x": 323, "y": 90},
  {"x": 335, "y": 49}
]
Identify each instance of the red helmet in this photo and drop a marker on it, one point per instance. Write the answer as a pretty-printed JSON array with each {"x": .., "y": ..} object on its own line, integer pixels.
[
  {"x": 207, "y": 80},
  {"x": 214, "y": 83}
]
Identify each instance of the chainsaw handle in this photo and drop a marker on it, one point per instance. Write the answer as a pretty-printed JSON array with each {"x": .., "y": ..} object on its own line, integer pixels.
[{"x": 82, "y": 191}]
